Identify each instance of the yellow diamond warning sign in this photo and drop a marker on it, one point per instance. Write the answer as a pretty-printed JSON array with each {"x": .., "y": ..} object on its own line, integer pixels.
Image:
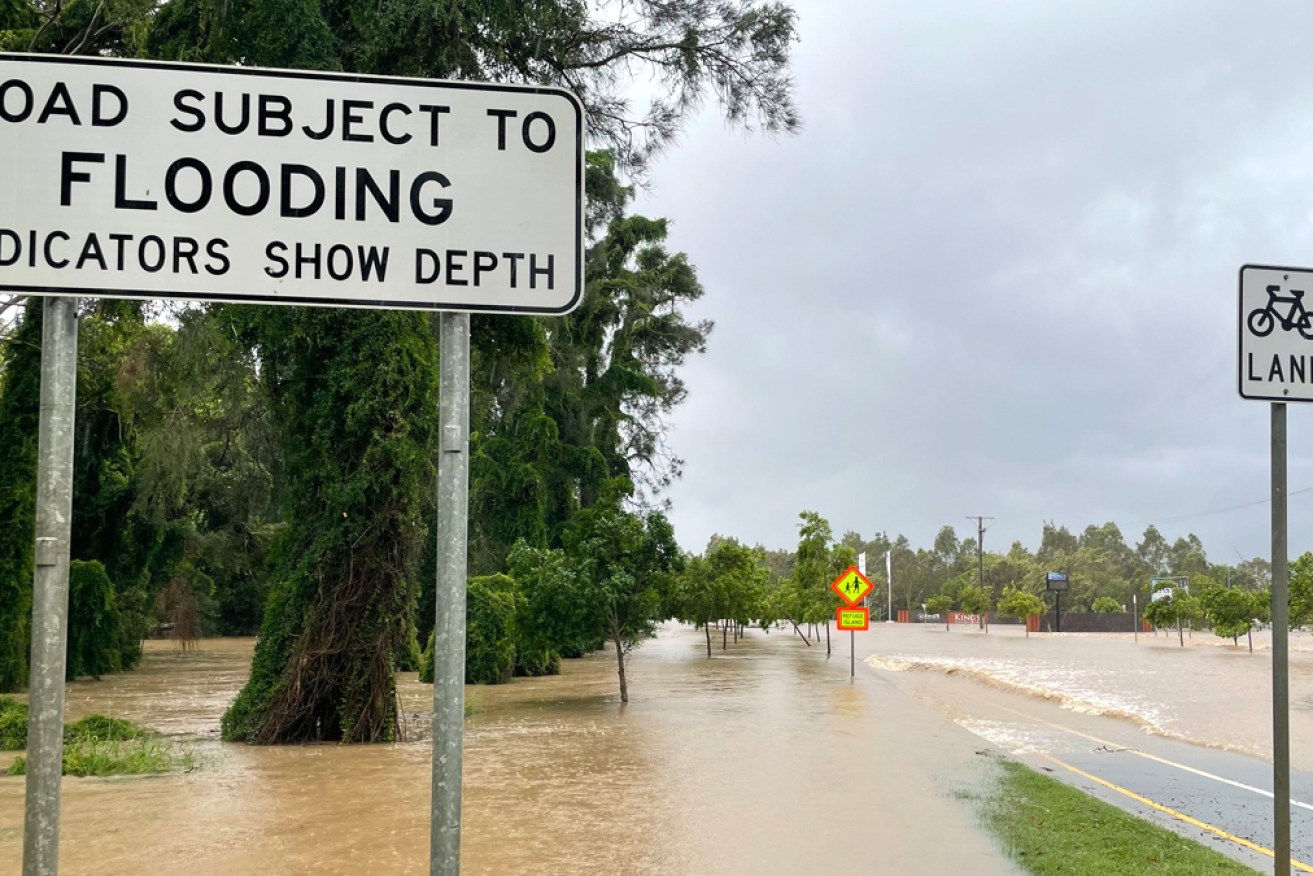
[
  {"x": 852, "y": 618},
  {"x": 851, "y": 586}
]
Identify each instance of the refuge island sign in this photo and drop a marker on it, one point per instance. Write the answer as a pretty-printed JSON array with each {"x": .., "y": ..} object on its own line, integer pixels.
[{"x": 150, "y": 180}]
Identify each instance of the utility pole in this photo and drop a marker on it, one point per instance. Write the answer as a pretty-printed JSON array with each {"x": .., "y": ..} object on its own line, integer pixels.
[{"x": 980, "y": 556}]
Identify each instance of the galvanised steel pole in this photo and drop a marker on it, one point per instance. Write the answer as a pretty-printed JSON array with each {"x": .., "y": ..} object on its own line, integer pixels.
[
  {"x": 1280, "y": 654},
  {"x": 449, "y": 632},
  {"x": 54, "y": 516}
]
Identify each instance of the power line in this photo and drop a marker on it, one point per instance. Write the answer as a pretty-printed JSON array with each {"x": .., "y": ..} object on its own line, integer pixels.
[{"x": 1234, "y": 507}]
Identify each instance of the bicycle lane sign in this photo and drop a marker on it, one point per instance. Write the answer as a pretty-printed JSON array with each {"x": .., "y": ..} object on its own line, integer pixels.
[{"x": 1276, "y": 333}]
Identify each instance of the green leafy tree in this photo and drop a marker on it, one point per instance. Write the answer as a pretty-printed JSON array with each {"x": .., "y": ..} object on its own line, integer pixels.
[
  {"x": 697, "y": 599},
  {"x": 80, "y": 27},
  {"x": 1187, "y": 556},
  {"x": 807, "y": 597},
  {"x": 625, "y": 566},
  {"x": 728, "y": 582},
  {"x": 613, "y": 582},
  {"x": 1106, "y": 605},
  {"x": 974, "y": 600},
  {"x": 1174, "y": 608},
  {"x": 490, "y": 633},
  {"x": 552, "y": 618},
  {"x": 134, "y": 552},
  {"x": 1020, "y": 603},
  {"x": 208, "y": 461},
  {"x": 940, "y": 604},
  {"x": 1233, "y": 612},
  {"x": 1153, "y": 553},
  {"x": 1301, "y": 591}
]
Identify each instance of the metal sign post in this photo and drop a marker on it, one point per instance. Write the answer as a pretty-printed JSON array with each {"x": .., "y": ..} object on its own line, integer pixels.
[
  {"x": 334, "y": 189},
  {"x": 54, "y": 520},
  {"x": 889, "y": 581},
  {"x": 852, "y": 586},
  {"x": 1274, "y": 365},
  {"x": 1280, "y": 653},
  {"x": 852, "y": 618},
  {"x": 449, "y": 637},
  {"x": 1056, "y": 582}
]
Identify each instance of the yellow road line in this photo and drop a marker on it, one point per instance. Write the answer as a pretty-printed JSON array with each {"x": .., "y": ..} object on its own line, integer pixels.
[
  {"x": 1217, "y": 831},
  {"x": 1153, "y": 757}
]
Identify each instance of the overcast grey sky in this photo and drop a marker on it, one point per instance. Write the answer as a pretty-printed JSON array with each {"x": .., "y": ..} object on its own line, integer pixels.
[{"x": 996, "y": 274}]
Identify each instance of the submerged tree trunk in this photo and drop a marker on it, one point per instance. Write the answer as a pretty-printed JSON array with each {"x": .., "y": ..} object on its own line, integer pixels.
[
  {"x": 620, "y": 662},
  {"x": 353, "y": 394},
  {"x": 724, "y": 634},
  {"x": 827, "y": 638},
  {"x": 801, "y": 634},
  {"x": 706, "y": 627}
]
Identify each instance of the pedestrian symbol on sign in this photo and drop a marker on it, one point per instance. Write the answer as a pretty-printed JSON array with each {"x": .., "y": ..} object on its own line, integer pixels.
[{"x": 852, "y": 586}]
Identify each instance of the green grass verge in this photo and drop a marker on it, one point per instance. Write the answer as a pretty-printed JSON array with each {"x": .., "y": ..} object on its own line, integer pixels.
[
  {"x": 95, "y": 745},
  {"x": 13, "y": 727},
  {"x": 118, "y": 757},
  {"x": 1051, "y": 828}
]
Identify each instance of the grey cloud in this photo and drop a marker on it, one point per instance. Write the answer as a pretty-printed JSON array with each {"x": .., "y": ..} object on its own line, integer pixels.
[{"x": 996, "y": 273}]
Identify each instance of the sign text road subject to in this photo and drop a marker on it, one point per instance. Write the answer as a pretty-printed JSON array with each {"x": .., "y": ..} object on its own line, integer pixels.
[{"x": 135, "y": 179}]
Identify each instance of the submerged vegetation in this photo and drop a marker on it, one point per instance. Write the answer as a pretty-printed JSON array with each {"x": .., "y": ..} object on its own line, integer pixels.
[
  {"x": 96, "y": 745},
  {"x": 118, "y": 757}
]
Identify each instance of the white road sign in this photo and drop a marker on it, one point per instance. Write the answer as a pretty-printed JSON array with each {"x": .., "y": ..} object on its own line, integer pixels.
[
  {"x": 1276, "y": 333},
  {"x": 149, "y": 180}
]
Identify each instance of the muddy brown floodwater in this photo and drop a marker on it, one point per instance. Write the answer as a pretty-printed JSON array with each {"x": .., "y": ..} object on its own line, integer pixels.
[{"x": 764, "y": 759}]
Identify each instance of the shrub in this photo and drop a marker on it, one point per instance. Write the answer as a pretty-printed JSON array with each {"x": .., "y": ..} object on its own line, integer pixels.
[
  {"x": 101, "y": 728},
  {"x": 1106, "y": 605},
  {"x": 539, "y": 662},
  {"x": 489, "y": 647},
  {"x": 13, "y": 724},
  {"x": 117, "y": 757},
  {"x": 95, "y": 633}
]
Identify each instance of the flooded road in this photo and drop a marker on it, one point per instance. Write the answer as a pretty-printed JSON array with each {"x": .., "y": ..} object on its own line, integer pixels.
[
  {"x": 1209, "y": 693},
  {"x": 1179, "y": 736},
  {"x": 764, "y": 759}
]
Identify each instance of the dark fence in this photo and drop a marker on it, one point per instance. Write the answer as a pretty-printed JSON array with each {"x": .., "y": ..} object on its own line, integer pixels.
[
  {"x": 954, "y": 617},
  {"x": 1091, "y": 622},
  {"x": 1072, "y": 621}
]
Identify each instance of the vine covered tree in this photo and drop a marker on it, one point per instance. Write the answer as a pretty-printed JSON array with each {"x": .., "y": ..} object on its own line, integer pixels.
[
  {"x": 353, "y": 399},
  {"x": 20, "y": 397}
]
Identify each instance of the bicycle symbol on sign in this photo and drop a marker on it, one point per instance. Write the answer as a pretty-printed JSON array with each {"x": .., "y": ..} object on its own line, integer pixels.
[{"x": 1263, "y": 319}]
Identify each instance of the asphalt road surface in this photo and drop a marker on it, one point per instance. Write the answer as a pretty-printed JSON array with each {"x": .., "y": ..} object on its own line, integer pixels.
[{"x": 1219, "y": 798}]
